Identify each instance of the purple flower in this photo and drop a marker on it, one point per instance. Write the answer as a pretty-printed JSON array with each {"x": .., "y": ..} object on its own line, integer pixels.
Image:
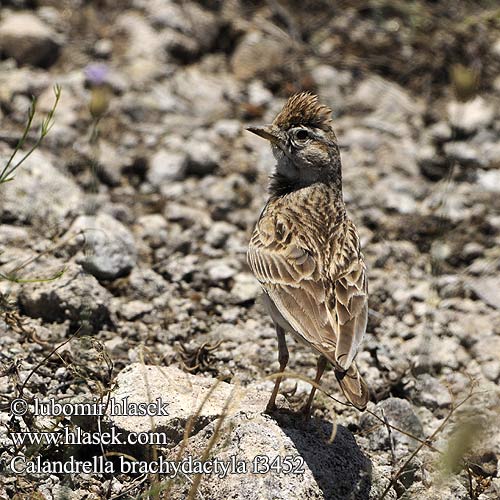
[{"x": 96, "y": 73}]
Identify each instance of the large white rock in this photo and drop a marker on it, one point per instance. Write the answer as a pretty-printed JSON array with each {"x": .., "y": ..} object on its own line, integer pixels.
[
  {"x": 325, "y": 470},
  {"x": 183, "y": 393}
]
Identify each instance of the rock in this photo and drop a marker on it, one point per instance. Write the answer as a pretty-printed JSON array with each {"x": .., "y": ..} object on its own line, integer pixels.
[
  {"x": 334, "y": 471},
  {"x": 389, "y": 102},
  {"x": 472, "y": 115},
  {"x": 193, "y": 29},
  {"x": 365, "y": 138},
  {"x": 432, "y": 165},
  {"x": 202, "y": 157},
  {"x": 40, "y": 194},
  {"x": 12, "y": 235},
  {"x": 440, "y": 132},
  {"x": 229, "y": 129},
  {"x": 134, "y": 309},
  {"x": 257, "y": 55},
  {"x": 218, "y": 233},
  {"x": 75, "y": 296},
  {"x": 258, "y": 95},
  {"x": 398, "y": 196},
  {"x": 116, "y": 346},
  {"x": 183, "y": 395},
  {"x": 430, "y": 392},
  {"x": 145, "y": 284},
  {"x": 220, "y": 270},
  {"x": 398, "y": 413},
  {"x": 489, "y": 180},
  {"x": 153, "y": 230},
  {"x": 142, "y": 39},
  {"x": 487, "y": 351},
  {"x": 167, "y": 166},
  {"x": 490, "y": 153},
  {"x": 463, "y": 153},
  {"x": 205, "y": 95},
  {"x": 483, "y": 462},
  {"x": 330, "y": 82},
  {"x": 246, "y": 288},
  {"x": 108, "y": 246},
  {"x": 487, "y": 289},
  {"x": 28, "y": 40}
]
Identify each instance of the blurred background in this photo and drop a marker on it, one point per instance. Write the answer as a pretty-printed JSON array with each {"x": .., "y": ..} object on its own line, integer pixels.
[{"x": 126, "y": 228}]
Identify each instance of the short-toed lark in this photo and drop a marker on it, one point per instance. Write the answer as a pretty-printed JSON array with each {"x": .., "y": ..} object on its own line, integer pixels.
[{"x": 305, "y": 251}]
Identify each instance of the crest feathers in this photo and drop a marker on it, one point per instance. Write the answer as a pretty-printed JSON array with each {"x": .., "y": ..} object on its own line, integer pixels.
[{"x": 304, "y": 109}]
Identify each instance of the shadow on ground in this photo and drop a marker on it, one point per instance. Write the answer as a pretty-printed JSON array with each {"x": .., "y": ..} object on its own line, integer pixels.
[{"x": 340, "y": 468}]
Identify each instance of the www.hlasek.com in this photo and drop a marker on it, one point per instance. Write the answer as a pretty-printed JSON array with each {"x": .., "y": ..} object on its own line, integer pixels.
[{"x": 77, "y": 436}]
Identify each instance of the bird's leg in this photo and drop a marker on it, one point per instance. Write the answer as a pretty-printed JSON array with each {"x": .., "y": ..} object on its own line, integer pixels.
[
  {"x": 320, "y": 368},
  {"x": 283, "y": 360}
]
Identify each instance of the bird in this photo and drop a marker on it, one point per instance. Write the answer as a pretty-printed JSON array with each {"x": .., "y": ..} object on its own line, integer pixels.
[{"x": 305, "y": 251}]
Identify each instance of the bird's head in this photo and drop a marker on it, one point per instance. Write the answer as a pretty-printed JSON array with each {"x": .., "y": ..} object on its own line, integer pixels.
[{"x": 303, "y": 142}]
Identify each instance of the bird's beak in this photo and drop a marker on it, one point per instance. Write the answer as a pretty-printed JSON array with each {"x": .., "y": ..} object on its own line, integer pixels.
[{"x": 267, "y": 132}]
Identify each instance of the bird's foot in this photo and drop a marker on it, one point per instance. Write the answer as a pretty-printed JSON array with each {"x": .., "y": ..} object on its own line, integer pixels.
[
  {"x": 270, "y": 408},
  {"x": 306, "y": 412}
]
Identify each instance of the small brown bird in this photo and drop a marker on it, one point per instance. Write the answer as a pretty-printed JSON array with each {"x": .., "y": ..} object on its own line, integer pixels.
[{"x": 305, "y": 251}]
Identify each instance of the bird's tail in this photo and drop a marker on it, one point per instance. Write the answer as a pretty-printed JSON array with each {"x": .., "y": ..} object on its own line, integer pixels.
[{"x": 353, "y": 386}]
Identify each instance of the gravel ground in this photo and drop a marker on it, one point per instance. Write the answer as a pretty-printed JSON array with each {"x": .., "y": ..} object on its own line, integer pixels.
[{"x": 125, "y": 233}]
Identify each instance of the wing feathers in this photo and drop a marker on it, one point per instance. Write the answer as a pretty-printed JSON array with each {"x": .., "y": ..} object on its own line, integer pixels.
[{"x": 328, "y": 311}]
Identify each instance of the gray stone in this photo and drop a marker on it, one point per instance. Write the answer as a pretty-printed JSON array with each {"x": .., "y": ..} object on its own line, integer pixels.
[
  {"x": 257, "y": 54},
  {"x": 398, "y": 413},
  {"x": 145, "y": 284},
  {"x": 205, "y": 94},
  {"x": 220, "y": 270},
  {"x": 389, "y": 101},
  {"x": 28, "y": 40},
  {"x": 229, "y": 129},
  {"x": 134, "y": 309},
  {"x": 472, "y": 115},
  {"x": 490, "y": 154},
  {"x": 167, "y": 166},
  {"x": 193, "y": 29},
  {"x": 40, "y": 194},
  {"x": 108, "y": 248},
  {"x": 431, "y": 164},
  {"x": 202, "y": 157},
  {"x": 463, "y": 153},
  {"x": 245, "y": 288},
  {"x": 430, "y": 392},
  {"x": 258, "y": 95},
  {"x": 75, "y": 296},
  {"x": 487, "y": 352},
  {"x": 489, "y": 180},
  {"x": 440, "y": 132},
  {"x": 153, "y": 230},
  {"x": 330, "y": 82},
  {"x": 218, "y": 233},
  {"x": 487, "y": 289}
]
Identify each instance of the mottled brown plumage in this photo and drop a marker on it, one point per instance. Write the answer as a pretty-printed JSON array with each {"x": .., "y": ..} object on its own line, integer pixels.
[{"x": 305, "y": 251}]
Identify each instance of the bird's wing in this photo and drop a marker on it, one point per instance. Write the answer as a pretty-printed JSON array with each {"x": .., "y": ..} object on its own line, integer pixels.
[{"x": 330, "y": 313}]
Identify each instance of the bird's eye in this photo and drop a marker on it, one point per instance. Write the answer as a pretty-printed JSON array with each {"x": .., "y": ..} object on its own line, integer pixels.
[{"x": 301, "y": 134}]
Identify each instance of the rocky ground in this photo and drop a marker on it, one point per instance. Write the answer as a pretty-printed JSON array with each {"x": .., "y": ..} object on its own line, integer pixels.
[{"x": 123, "y": 239}]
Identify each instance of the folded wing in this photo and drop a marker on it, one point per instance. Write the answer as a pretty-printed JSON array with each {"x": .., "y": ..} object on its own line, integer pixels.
[{"x": 329, "y": 312}]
